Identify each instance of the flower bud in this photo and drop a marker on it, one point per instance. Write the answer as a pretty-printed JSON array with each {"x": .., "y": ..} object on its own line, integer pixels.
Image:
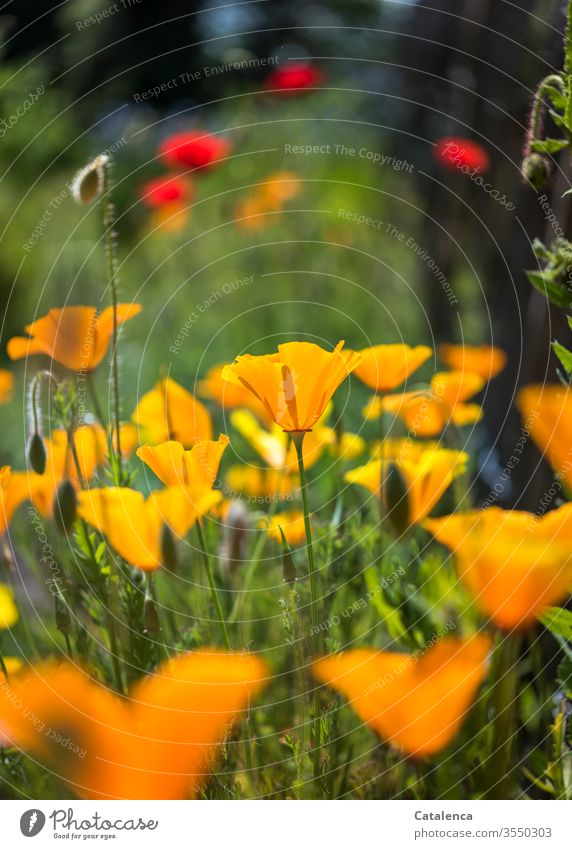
[
  {"x": 395, "y": 499},
  {"x": 169, "y": 556},
  {"x": 288, "y": 565},
  {"x": 88, "y": 183},
  {"x": 536, "y": 169},
  {"x": 65, "y": 507},
  {"x": 37, "y": 454}
]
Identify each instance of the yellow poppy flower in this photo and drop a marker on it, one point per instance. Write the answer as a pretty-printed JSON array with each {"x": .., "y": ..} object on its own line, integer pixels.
[
  {"x": 75, "y": 337},
  {"x": 13, "y": 665},
  {"x": 427, "y": 413},
  {"x": 195, "y": 470},
  {"x": 485, "y": 360},
  {"x": 134, "y": 525},
  {"x": 8, "y": 610},
  {"x": 6, "y": 386},
  {"x": 292, "y": 524},
  {"x": 229, "y": 395},
  {"x": 426, "y": 469},
  {"x": 242, "y": 480},
  {"x": 160, "y": 743},
  {"x": 275, "y": 446},
  {"x": 547, "y": 414},
  {"x": 385, "y": 367},
  {"x": 416, "y": 702},
  {"x": 296, "y": 383},
  {"x": 169, "y": 412},
  {"x": 513, "y": 563}
]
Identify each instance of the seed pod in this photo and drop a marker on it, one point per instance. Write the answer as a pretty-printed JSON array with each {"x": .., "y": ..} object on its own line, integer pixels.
[
  {"x": 288, "y": 565},
  {"x": 65, "y": 507},
  {"x": 37, "y": 454},
  {"x": 396, "y": 499},
  {"x": 169, "y": 556},
  {"x": 88, "y": 183},
  {"x": 536, "y": 169},
  {"x": 151, "y": 623}
]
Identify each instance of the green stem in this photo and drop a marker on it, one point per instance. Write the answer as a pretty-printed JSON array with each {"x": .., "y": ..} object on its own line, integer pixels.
[
  {"x": 108, "y": 224},
  {"x": 95, "y": 400},
  {"x": 212, "y": 585},
  {"x": 298, "y": 439},
  {"x": 498, "y": 769}
]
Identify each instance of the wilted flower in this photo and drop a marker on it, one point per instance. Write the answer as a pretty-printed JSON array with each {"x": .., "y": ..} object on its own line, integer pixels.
[
  {"x": 296, "y": 383},
  {"x": 157, "y": 744},
  {"x": 75, "y": 337},
  {"x": 417, "y": 701}
]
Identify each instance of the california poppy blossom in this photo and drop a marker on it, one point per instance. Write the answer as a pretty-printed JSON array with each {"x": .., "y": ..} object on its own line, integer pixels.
[
  {"x": 169, "y": 412},
  {"x": 385, "y": 367},
  {"x": 294, "y": 78},
  {"x": 8, "y": 610},
  {"x": 193, "y": 149},
  {"x": 295, "y": 384},
  {"x": 259, "y": 484},
  {"x": 6, "y": 385},
  {"x": 291, "y": 523},
  {"x": 457, "y": 153},
  {"x": 195, "y": 469},
  {"x": 484, "y": 360},
  {"x": 274, "y": 445},
  {"x": 160, "y": 743},
  {"x": 513, "y": 563},
  {"x": 75, "y": 337},
  {"x": 547, "y": 414},
  {"x": 427, "y": 471},
  {"x": 166, "y": 191},
  {"x": 417, "y": 702},
  {"x": 134, "y": 526},
  {"x": 428, "y": 412},
  {"x": 228, "y": 395}
]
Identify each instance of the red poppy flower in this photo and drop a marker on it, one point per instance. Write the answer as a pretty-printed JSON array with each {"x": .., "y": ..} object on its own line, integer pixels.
[
  {"x": 193, "y": 149},
  {"x": 454, "y": 152},
  {"x": 294, "y": 78},
  {"x": 165, "y": 190}
]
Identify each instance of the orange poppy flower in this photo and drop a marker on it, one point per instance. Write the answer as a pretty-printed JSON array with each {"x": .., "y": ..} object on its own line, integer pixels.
[
  {"x": 513, "y": 563},
  {"x": 75, "y": 337},
  {"x": 547, "y": 413},
  {"x": 426, "y": 469},
  {"x": 9, "y": 497},
  {"x": 427, "y": 413},
  {"x": 415, "y": 701},
  {"x": 160, "y": 743},
  {"x": 385, "y": 367},
  {"x": 277, "y": 189},
  {"x": 229, "y": 395},
  {"x": 485, "y": 360},
  {"x": 169, "y": 412},
  {"x": 296, "y": 383},
  {"x": 13, "y": 665},
  {"x": 195, "y": 470},
  {"x": 251, "y": 482},
  {"x": 134, "y": 525},
  {"x": 292, "y": 524},
  {"x": 6, "y": 386}
]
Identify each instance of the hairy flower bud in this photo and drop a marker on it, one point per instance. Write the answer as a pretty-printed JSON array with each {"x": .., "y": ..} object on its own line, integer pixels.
[
  {"x": 37, "y": 454},
  {"x": 65, "y": 507},
  {"x": 88, "y": 183},
  {"x": 536, "y": 170}
]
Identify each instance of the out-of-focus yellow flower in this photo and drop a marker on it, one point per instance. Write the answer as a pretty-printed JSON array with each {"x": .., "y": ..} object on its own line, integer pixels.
[
  {"x": 269, "y": 197},
  {"x": 485, "y": 360},
  {"x": 228, "y": 395},
  {"x": 547, "y": 413},
  {"x": 385, "y": 367},
  {"x": 275, "y": 446},
  {"x": 159, "y": 743},
  {"x": 13, "y": 665},
  {"x": 292, "y": 524},
  {"x": 195, "y": 469},
  {"x": 6, "y": 386},
  {"x": 418, "y": 701},
  {"x": 8, "y": 610},
  {"x": 75, "y": 337},
  {"x": 170, "y": 218},
  {"x": 10, "y": 498},
  {"x": 295, "y": 384},
  {"x": 513, "y": 563},
  {"x": 134, "y": 526},
  {"x": 169, "y": 412},
  {"x": 427, "y": 413},
  {"x": 243, "y": 480},
  {"x": 426, "y": 469},
  {"x": 350, "y": 446}
]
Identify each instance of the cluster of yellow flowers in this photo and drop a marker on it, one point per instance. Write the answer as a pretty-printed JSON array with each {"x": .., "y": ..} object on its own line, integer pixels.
[{"x": 513, "y": 563}]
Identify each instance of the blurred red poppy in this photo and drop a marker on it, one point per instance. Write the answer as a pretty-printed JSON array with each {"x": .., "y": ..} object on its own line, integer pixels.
[
  {"x": 165, "y": 190},
  {"x": 454, "y": 152},
  {"x": 193, "y": 149},
  {"x": 294, "y": 78}
]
